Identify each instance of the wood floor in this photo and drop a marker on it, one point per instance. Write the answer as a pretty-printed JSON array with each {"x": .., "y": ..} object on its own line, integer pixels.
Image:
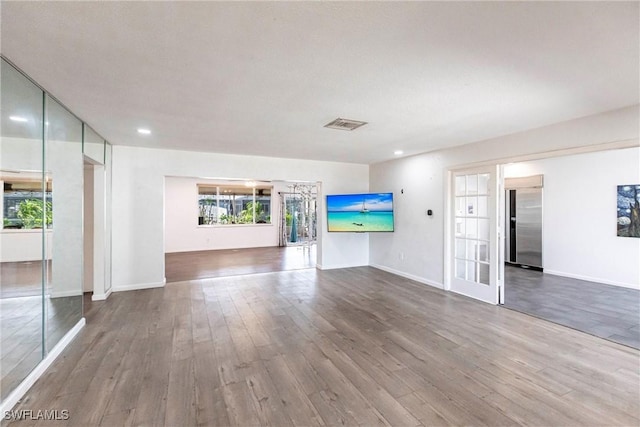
[
  {"x": 21, "y": 345},
  {"x": 606, "y": 311},
  {"x": 353, "y": 346},
  {"x": 22, "y": 279},
  {"x": 180, "y": 266}
]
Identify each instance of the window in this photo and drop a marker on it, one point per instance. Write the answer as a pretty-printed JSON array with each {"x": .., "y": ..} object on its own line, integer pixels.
[
  {"x": 233, "y": 204},
  {"x": 23, "y": 204}
]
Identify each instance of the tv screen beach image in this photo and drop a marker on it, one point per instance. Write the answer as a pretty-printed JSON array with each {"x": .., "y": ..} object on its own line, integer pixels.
[{"x": 360, "y": 212}]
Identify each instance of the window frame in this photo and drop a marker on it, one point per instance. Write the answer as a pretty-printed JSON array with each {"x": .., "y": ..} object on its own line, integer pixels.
[{"x": 233, "y": 209}]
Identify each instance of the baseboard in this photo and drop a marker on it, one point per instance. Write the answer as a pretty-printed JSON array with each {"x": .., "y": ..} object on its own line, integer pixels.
[
  {"x": 335, "y": 267},
  {"x": 591, "y": 279},
  {"x": 139, "y": 286},
  {"x": 63, "y": 294},
  {"x": 15, "y": 396},
  {"x": 101, "y": 297},
  {"x": 408, "y": 276}
]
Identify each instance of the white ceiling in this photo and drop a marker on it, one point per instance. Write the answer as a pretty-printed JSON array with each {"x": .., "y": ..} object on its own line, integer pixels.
[{"x": 263, "y": 78}]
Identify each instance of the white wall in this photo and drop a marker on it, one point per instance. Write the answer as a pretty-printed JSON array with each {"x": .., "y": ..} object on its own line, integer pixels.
[
  {"x": 579, "y": 215},
  {"x": 64, "y": 160},
  {"x": 423, "y": 178},
  {"x": 23, "y": 245},
  {"x": 183, "y": 234},
  {"x": 415, "y": 248},
  {"x": 138, "y": 204}
]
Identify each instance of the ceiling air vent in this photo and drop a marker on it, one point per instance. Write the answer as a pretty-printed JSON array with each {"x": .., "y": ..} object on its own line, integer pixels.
[{"x": 344, "y": 124}]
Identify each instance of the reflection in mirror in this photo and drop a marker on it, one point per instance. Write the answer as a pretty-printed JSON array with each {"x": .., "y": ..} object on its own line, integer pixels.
[
  {"x": 42, "y": 150},
  {"x": 63, "y": 157},
  {"x": 24, "y": 221},
  {"x": 41, "y": 230},
  {"x": 94, "y": 145},
  {"x": 25, "y": 206}
]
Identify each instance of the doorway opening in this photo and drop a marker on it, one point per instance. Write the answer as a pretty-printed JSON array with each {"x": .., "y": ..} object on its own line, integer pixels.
[
  {"x": 298, "y": 225},
  {"x": 523, "y": 222},
  {"x": 226, "y": 227},
  {"x": 94, "y": 230},
  {"x": 562, "y": 260}
]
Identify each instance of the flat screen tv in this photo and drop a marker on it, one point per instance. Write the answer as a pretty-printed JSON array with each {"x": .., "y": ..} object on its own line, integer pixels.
[{"x": 369, "y": 212}]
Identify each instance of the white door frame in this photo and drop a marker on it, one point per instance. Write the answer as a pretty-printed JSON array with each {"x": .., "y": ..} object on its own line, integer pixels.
[
  {"x": 98, "y": 285},
  {"x": 502, "y": 233}
]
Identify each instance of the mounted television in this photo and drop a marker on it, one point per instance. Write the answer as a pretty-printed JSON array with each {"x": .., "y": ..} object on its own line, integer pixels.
[{"x": 371, "y": 212}]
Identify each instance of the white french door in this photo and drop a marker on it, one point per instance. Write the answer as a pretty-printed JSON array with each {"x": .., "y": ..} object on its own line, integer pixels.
[{"x": 473, "y": 250}]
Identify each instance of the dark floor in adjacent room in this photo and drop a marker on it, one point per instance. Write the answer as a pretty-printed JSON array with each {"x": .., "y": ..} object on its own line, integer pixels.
[{"x": 610, "y": 312}]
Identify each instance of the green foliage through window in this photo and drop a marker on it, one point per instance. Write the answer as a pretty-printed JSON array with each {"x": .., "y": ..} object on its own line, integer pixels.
[
  {"x": 221, "y": 205},
  {"x": 30, "y": 212}
]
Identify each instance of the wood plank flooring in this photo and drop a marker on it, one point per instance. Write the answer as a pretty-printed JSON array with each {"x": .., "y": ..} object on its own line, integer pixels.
[
  {"x": 22, "y": 279},
  {"x": 21, "y": 333},
  {"x": 353, "y": 346},
  {"x": 181, "y": 266},
  {"x": 606, "y": 311},
  {"x": 21, "y": 305}
]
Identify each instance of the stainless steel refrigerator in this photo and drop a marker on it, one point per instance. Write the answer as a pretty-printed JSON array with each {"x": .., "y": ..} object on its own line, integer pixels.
[{"x": 524, "y": 221}]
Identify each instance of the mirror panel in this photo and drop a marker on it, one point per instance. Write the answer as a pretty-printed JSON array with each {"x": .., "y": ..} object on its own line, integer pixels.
[
  {"x": 64, "y": 173},
  {"x": 93, "y": 146},
  {"x": 24, "y": 197}
]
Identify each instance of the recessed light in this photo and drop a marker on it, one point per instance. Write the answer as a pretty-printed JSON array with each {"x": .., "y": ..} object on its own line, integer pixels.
[
  {"x": 18, "y": 119},
  {"x": 398, "y": 152},
  {"x": 144, "y": 131}
]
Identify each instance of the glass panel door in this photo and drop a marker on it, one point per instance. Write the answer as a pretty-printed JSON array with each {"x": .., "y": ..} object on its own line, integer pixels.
[
  {"x": 474, "y": 260},
  {"x": 300, "y": 215}
]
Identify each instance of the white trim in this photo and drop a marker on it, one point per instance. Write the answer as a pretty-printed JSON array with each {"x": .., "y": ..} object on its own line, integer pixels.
[
  {"x": 336, "y": 267},
  {"x": 24, "y": 230},
  {"x": 502, "y": 232},
  {"x": 448, "y": 227},
  {"x": 408, "y": 276},
  {"x": 101, "y": 297},
  {"x": 591, "y": 279},
  {"x": 40, "y": 369},
  {"x": 139, "y": 286},
  {"x": 72, "y": 293},
  {"x": 605, "y": 146},
  {"x": 270, "y": 224}
]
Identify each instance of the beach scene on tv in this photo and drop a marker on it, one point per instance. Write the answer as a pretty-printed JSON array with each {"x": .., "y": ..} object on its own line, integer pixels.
[{"x": 360, "y": 212}]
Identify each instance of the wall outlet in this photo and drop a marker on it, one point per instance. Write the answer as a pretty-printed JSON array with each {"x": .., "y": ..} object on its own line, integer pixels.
[{"x": 401, "y": 256}]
